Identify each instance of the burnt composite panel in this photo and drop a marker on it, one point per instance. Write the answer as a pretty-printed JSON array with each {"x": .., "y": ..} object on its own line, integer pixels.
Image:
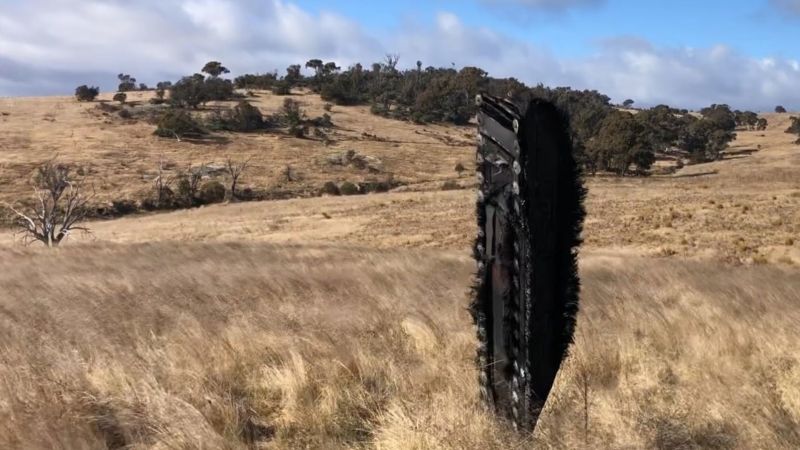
[{"x": 530, "y": 213}]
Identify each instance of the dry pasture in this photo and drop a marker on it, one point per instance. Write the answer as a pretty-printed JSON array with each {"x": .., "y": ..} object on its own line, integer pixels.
[{"x": 341, "y": 322}]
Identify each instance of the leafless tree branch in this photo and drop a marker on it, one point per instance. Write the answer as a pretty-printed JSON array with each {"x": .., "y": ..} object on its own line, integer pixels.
[
  {"x": 61, "y": 206},
  {"x": 235, "y": 170}
]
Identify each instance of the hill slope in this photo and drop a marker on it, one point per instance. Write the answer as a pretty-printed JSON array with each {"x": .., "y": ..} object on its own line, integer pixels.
[{"x": 340, "y": 322}]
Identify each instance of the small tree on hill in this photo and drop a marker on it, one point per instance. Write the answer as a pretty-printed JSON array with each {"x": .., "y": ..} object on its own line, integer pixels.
[
  {"x": 235, "y": 170},
  {"x": 85, "y": 93},
  {"x": 163, "y": 196},
  {"x": 120, "y": 97},
  {"x": 60, "y": 206},
  {"x": 721, "y": 116},
  {"x": 245, "y": 117},
  {"x": 620, "y": 142},
  {"x": 294, "y": 117},
  {"x": 780, "y": 109},
  {"x": 293, "y": 75},
  {"x": 705, "y": 141},
  {"x": 189, "y": 91},
  {"x": 216, "y": 88},
  {"x": 126, "y": 83},
  {"x": 627, "y": 103},
  {"x": 188, "y": 185},
  {"x": 177, "y": 124},
  {"x": 215, "y": 69}
]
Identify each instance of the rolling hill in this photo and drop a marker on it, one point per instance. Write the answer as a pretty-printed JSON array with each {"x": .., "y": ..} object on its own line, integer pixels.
[{"x": 341, "y": 322}]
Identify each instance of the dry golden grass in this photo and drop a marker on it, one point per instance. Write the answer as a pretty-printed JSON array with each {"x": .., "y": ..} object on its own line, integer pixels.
[
  {"x": 173, "y": 345},
  {"x": 340, "y": 322},
  {"x": 218, "y": 346},
  {"x": 120, "y": 157}
]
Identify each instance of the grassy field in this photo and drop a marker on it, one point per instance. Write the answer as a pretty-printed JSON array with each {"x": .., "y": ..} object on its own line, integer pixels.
[{"x": 341, "y": 322}]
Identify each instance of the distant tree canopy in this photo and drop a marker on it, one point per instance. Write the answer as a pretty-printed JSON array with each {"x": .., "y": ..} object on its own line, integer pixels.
[
  {"x": 192, "y": 91},
  {"x": 85, "y": 93},
  {"x": 189, "y": 91},
  {"x": 620, "y": 141},
  {"x": 255, "y": 81},
  {"x": 126, "y": 83},
  {"x": 780, "y": 109},
  {"x": 215, "y": 69},
  {"x": 161, "y": 89},
  {"x": 604, "y": 138},
  {"x": 721, "y": 116}
]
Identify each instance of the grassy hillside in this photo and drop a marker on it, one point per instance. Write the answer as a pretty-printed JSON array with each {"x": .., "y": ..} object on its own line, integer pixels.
[
  {"x": 120, "y": 157},
  {"x": 341, "y": 322}
]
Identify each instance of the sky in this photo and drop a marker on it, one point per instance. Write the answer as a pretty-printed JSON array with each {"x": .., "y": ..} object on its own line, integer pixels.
[{"x": 683, "y": 53}]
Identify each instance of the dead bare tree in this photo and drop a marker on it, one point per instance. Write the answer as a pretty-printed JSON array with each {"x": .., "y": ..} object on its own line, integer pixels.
[
  {"x": 162, "y": 185},
  {"x": 235, "y": 170},
  {"x": 60, "y": 206},
  {"x": 189, "y": 183}
]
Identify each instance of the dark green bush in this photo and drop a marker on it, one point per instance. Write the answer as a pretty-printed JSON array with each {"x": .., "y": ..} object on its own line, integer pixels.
[
  {"x": 177, "y": 123},
  {"x": 189, "y": 92},
  {"x": 123, "y": 207},
  {"x": 294, "y": 118},
  {"x": 245, "y": 117},
  {"x": 348, "y": 188},
  {"x": 330, "y": 188},
  {"x": 323, "y": 121},
  {"x": 211, "y": 192},
  {"x": 281, "y": 88},
  {"x": 85, "y": 93}
]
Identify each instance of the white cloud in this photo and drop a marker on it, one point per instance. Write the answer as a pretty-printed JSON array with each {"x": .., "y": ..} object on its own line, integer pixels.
[
  {"x": 623, "y": 67},
  {"x": 154, "y": 39},
  {"x": 49, "y": 46}
]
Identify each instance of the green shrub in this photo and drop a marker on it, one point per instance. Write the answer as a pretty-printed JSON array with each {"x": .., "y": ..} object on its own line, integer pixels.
[
  {"x": 120, "y": 97},
  {"x": 85, "y": 93},
  {"x": 330, "y": 188},
  {"x": 245, "y": 117},
  {"x": 177, "y": 123},
  {"x": 323, "y": 121},
  {"x": 294, "y": 117},
  {"x": 281, "y": 88},
  {"x": 212, "y": 192},
  {"x": 122, "y": 207},
  {"x": 376, "y": 186},
  {"x": 154, "y": 201},
  {"x": 348, "y": 188},
  {"x": 189, "y": 92}
]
